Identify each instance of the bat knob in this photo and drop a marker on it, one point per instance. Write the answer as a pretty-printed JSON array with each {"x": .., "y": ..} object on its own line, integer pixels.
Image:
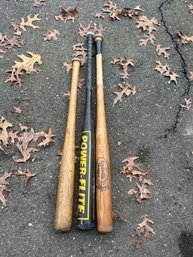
[
  {"x": 89, "y": 33},
  {"x": 98, "y": 37}
]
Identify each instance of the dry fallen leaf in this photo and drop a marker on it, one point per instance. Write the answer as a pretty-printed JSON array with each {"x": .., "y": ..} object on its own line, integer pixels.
[
  {"x": 68, "y": 66},
  {"x": 191, "y": 75},
  {"x": 116, "y": 13},
  {"x": 69, "y": 13},
  {"x": 137, "y": 244},
  {"x": 163, "y": 50},
  {"x": 83, "y": 30},
  {"x": 81, "y": 83},
  {"x": 2, "y": 53},
  {"x": 187, "y": 104},
  {"x": 185, "y": 39},
  {"x": 166, "y": 71},
  {"x": 27, "y": 65},
  {"x": 52, "y": 34},
  {"x": 3, "y": 187},
  {"x": 99, "y": 15},
  {"x": 149, "y": 38},
  {"x": 16, "y": 29},
  {"x": 13, "y": 135},
  {"x": 12, "y": 42},
  {"x": 91, "y": 27},
  {"x": 29, "y": 22},
  {"x": 67, "y": 95},
  {"x": 190, "y": 8},
  {"x": 48, "y": 138},
  {"x": 124, "y": 62},
  {"x": 144, "y": 229},
  {"x": 147, "y": 25},
  {"x": 17, "y": 109},
  {"x": 138, "y": 8},
  {"x": 4, "y": 135},
  {"x": 28, "y": 175},
  {"x": 81, "y": 52},
  {"x": 126, "y": 90},
  {"x": 23, "y": 145},
  {"x": 38, "y": 3}
]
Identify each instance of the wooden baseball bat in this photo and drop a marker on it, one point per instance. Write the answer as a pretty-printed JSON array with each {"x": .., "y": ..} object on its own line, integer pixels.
[
  {"x": 103, "y": 173},
  {"x": 64, "y": 201},
  {"x": 86, "y": 190}
]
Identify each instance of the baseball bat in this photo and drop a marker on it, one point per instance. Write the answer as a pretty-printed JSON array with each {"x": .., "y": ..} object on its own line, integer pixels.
[
  {"x": 64, "y": 200},
  {"x": 86, "y": 189},
  {"x": 103, "y": 173}
]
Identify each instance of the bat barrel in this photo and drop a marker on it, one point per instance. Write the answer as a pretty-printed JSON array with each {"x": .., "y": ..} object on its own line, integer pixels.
[
  {"x": 86, "y": 189},
  {"x": 103, "y": 174}
]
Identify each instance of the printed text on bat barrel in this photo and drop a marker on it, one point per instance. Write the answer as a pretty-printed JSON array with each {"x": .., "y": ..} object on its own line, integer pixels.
[{"x": 102, "y": 174}]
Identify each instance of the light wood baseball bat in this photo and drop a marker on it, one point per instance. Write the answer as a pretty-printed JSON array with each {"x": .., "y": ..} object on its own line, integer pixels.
[
  {"x": 64, "y": 201},
  {"x": 103, "y": 173}
]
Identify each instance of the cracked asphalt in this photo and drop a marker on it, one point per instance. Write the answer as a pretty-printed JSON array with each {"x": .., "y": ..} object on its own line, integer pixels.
[{"x": 151, "y": 124}]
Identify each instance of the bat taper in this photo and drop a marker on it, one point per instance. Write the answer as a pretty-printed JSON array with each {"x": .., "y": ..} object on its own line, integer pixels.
[
  {"x": 103, "y": 173},
  {"x": 64, "y": 201}
]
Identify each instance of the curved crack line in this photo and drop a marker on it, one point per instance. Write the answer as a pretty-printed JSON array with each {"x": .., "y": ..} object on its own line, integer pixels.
[{"x": 184, "y": 69}]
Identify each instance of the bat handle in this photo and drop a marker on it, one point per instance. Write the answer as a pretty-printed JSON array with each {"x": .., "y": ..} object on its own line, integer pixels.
[{"x": 64, "y": 200}]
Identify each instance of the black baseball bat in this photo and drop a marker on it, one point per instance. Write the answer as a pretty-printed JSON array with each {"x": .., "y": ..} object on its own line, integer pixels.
[{"x": 86, "y": 189}]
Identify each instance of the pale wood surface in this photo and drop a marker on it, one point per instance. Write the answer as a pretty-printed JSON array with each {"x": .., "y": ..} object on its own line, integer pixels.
[
  {"x": 64, "y": 202},
  {"x": 103, "y": 197}
]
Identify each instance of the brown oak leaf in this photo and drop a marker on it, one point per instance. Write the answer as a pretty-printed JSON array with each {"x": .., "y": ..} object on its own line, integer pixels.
[
  {"x": 110, "y": 6},
  {"x": 191, "y": 75},
  {"x": 124, "y": 62},
  {"x": 138, "y": 8},
  {"x": 14, "y": 41},
  {"x": 149, "y": 38},
  {"x": 124, "y": 75},
  {"x": 3, "y": 187},
  {"x": 130, "y": 164},
  {"x": 48, "y": 138},
  {"x": 81, "y": 83},
  {"x": 13, "y": 135},
  {"x": 17, "y": 109},
  {"x": 67, "y": 95},
  {"x": 83, "y": 30},
  {"x": 163, "y": 50},
  {"x": 68, "y": 66},
  {"x": 69, "y": 13},
  {"x": 147, "y": 25},
  {"x": 190, "y": 8},
  {"x": 16, "y": 28},
  {"x": 137, "y": 244},
  {"x": 99, "y": 15},
  {"x": 187, "y": 104},
  {"x": 27, "y": 65},
  {"x": 98, "y": 29},
  {"x": 81, "y": 52},
  {"x": 4, "y": 135},
  {"x": 29, "y": 22},
  {"x": 2, "y": 53},
  {"x": 166, "y": 71},
  {"x": 52, "y": 34},
  {"x": 28, "y": 175},
  {"x": 144, "y": 229},
  {"x": 185, "y": 39},
  {"x": 23, "y": 145},
  {"x": 38, "y": 3},
  {"x": 126, "y": 90}
]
